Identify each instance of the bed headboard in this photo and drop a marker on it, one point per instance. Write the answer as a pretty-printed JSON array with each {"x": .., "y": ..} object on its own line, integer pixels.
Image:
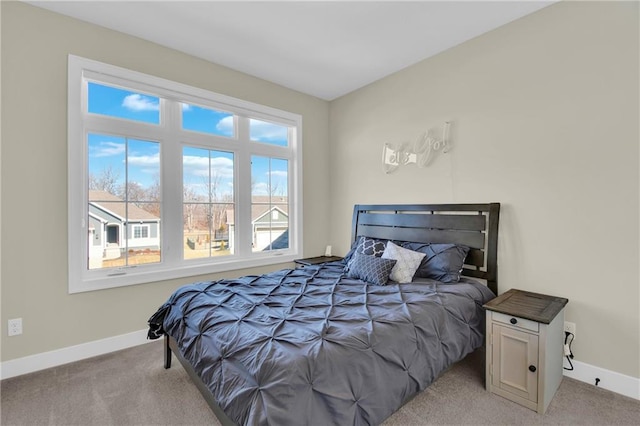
[{"x": 471, "y": 225}]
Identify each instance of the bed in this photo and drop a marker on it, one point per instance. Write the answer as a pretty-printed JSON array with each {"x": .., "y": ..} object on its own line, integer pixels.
[{"x": 323, "y": 344}]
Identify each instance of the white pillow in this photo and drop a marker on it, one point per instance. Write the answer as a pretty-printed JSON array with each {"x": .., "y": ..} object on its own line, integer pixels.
[{"x": 407, "y": 263}]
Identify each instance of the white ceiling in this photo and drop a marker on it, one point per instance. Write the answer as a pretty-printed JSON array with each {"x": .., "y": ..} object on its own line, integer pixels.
[{"x": 324, "y": 49}]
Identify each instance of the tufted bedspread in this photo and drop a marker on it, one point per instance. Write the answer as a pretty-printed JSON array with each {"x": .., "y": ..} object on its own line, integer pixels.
[{"x": 312, "y": 347}]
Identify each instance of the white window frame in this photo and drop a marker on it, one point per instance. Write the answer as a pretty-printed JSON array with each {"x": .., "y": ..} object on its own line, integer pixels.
[{"x": 172, "y": 138}]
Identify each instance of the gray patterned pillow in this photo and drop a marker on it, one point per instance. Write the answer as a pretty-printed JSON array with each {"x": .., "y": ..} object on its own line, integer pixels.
[
  {"x": 365, "y": 245},
  {"x": 371, "y": 246},
  {"x": 369, "y": 268}
]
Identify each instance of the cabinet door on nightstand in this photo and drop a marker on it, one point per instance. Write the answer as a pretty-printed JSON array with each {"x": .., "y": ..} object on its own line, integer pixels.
[{"x": 513, "y": 353}]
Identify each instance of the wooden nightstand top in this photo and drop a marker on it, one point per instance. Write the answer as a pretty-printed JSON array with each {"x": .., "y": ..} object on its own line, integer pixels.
[
  {"x": 525, "y": 304},
  {"x": 317, "y": 260}
]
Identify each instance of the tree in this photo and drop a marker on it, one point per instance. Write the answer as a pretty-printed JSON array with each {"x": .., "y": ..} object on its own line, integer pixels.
[
  {"x": 133, "y": 192},
  {"x": 153, "y": 195},
  {"x": 147, "y": 198},
  {"x": 217, "y": 210},
  {"x": 107, "y": 180},
  {"x": 188, "y": 193}
]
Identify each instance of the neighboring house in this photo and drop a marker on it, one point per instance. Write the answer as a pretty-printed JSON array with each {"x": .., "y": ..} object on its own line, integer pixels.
[
  {"x": 269, "y": 223},
  {"x": 111, "y": 232}
]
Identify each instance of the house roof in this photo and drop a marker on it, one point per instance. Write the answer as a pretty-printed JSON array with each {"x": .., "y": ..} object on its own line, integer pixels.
[
  {"x": 282, "y": 242},
  {"x": 261, "y": 204},
  {"x": 116, "y": 205}
]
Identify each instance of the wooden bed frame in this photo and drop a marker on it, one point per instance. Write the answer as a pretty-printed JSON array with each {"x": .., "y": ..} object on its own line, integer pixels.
[{"x": 472, "y": 225}]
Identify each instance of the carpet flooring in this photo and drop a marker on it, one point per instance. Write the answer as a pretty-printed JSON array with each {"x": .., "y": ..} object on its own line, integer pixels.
[{"x": 131, "y": 387}]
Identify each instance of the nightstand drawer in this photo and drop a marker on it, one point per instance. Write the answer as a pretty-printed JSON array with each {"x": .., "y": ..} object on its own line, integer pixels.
[{"x": 516, "y": 321}]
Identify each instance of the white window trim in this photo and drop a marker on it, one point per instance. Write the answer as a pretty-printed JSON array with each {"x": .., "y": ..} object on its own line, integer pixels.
[{"x": 81, "y": 279}]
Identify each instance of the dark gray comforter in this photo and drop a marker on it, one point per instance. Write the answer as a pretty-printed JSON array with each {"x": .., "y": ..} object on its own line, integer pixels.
[{"x": 312, "y": 347}]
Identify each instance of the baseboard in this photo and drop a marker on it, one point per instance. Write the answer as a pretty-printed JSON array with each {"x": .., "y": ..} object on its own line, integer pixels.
[
  {"x": 41, "y": 361},
  {"x": 610, "y": 380}
]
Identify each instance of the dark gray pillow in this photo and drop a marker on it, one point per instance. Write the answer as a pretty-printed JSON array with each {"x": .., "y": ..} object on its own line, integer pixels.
[
  {"x": 443, "y": 262},
  {"x": 371, "y": 246},
  {"x": 369, "y": 268},
  {"x": 366, "y": 245}
]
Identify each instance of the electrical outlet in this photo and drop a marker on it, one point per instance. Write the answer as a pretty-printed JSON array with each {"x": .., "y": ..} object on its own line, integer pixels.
[
  {"x": 15, "y": 326},
  {"x": 570, "y": 327}
]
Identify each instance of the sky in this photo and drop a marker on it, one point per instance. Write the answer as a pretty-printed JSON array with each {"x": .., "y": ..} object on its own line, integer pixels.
[{"x": 138, "y": 160}]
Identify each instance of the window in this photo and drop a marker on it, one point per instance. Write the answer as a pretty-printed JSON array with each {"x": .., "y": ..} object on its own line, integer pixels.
[
  {"x": 269, "y": 195},
  {"x": 168, "y": 180},
  {"x": 270, "y": 133},
  {"x": 208, "y": 210},
  {"x": 207, "y": 120},
  {"x": 123, "y": 189},
  {"x": 115, "y": 102},
  {"x": 140, "y": 231}
]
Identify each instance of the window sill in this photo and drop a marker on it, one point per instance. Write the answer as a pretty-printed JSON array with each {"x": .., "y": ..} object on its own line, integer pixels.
[{"x": 141, "y": 275}]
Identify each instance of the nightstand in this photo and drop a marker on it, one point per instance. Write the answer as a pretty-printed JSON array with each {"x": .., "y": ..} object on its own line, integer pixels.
[
  {"x": 525, "y": 347},
  {"x": 301, "y": 263}
]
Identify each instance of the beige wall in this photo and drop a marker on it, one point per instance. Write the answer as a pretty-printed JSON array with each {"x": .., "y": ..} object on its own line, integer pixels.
[
  {"x": 545, "y": 114},
  {"x": 35, "y": 45}
]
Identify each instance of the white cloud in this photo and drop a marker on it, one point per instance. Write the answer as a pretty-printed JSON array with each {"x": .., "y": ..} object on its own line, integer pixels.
[
  {"x": 136, "y": 102},
  {"x": 260, "y": 188},
  {"x": 195, "y": 161},
  {"x": 222, "y": 163},
  {"x": 107, "y": 149},
  {"x": 263, "y": 131},
  {"x": 199, "y": 166},
  {"x": 144, "y": 160},
  {"x": 226, "y": 125},
  {"x": 279, "y": 173}
]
